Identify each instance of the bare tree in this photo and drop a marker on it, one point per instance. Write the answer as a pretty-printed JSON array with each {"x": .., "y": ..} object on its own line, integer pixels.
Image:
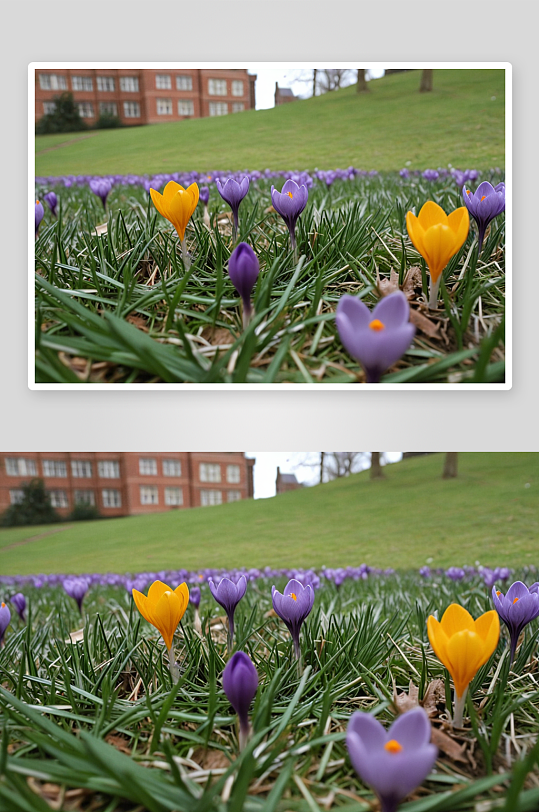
[
  {"x": 314, "y": 85},
  {"x": 426, "y": 81},
  {"x": 343, "y": 463},
  {"x": 361, "y": 86},
  {"x": 332, "y": 79},
  {"x": 450, "y": 465},
  {"x": 322, "y": 466},
  {"x": 376, "y": 466}
]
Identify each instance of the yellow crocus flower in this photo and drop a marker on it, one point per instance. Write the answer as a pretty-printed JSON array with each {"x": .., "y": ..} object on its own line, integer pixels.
[
  {"x": 463, "y": 645},
  {"x": 177, "y": 205},
  {"x": 164, "y": 607},
  {"x": 437, "y": 236}
]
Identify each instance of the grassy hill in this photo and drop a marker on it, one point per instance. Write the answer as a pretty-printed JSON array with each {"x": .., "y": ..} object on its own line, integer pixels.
[
  {"x": 490, "y": 512},
  {"x": 461, "y": 122}
]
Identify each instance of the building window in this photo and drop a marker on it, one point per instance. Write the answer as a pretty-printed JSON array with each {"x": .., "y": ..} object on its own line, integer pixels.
[
  {"x": 82, "y": 83},
  {"x": 108, "y": 469},
  {"x": 147, "y": 466},
  {"x": 131, "y": 109},
  {"x": 172, "y": 468},
  {"x": 59, "y": 499},
  {"x": 186, "y": 107},
  {"x": 129, "y": 84},
  {"x": 16, "y": 496},
  {"x": 50, "y": 81},
  {"x": 211, "y": 498},
  {"x": 173, "y": 496},
  {"x": 209, "y": 472},
  {"x": 108, "y": 109},
  {"x": 162, "y": 81},
  {"x": 54, "y": 468},
  {"x": 164, "y": 107},
  {"x": 184, "y": 83},
  {"x": 84, "y": 498},
  {"x": 105, "y": 84},
  {"x": 233, "y": 474},
  {"x": 86, "y": 109},
  {"x": 49, "y": 108},
  {"x": 111, "y": 498},
  {"x": 218, "y": 108},
  {"x": 81, "y": 469},
  {"x": 237, "y": 87},
  {"x": 233, "y": 496},
  {"x": 217, "y": 87},
  {"x": 20, "y": 466},
  {"x": 149, "y": 495},
  {"x": 238, "y": 107}
]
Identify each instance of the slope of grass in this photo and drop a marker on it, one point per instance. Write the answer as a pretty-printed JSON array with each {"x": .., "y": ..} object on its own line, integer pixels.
[
  {"x": 490, "y": 513},
  {"x": 461, "y": 122}
]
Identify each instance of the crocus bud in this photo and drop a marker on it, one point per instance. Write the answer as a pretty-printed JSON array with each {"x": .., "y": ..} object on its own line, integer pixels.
[
  {"x": 5, "y": 619},
  {"x": 486, "y": 203},
  {"x": 76, "y": 588},
  {"x": 194, "y": 596},
  {"x": 19, "y": 602},
  {"x": 293, "y": 606},
  {"x": 244, "y": 268},
  {"x": 101, "y": 187},
  {"x": 240, "y": 683},
  {"x": 289, "y": 203},
  {"x": 204, "y": 195},
  {"x": 228, "y": 595},
  {"x": 40, "y": 213},
  {"x": 52, "y": 201},
  {"x": 233, "y": 193}
]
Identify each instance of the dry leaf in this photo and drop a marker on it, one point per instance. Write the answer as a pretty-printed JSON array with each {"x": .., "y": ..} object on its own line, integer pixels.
[
  {"x": 138, "y": 321},
  {"x": 425, "y": 324},
  {"x": 101, "y": 229},
  {"x": 210, "y": 759},
  {"x": 387, "y": 286}
]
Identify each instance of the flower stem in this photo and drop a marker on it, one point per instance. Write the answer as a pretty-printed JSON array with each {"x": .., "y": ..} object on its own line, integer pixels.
[
  {"x": 293, "y": 244},
  {"x": 173, "y": 666},
  {"x": 235, "y": 228},
  {"x": 230, "y": 636},
  {"x": 185, "y": 255},
  {"x": 433, "y": 296},
  {"x": 198, "y": 624},
  {"x": 206, "y": 217},
  {"x": 247, "y": 313},
  {"x": 245, "y": 732},
  {"x": 458, "y": 713}
]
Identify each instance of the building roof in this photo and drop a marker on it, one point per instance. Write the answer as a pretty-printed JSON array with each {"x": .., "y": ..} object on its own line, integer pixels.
[{"x": 288, "y": 479}]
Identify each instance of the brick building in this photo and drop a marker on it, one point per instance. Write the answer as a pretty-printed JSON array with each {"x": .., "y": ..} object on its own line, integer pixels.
[
  {"x": 144, "y": 96},
  {"x": 286, "y": 482},
  {"x": 128, "y": 483}
]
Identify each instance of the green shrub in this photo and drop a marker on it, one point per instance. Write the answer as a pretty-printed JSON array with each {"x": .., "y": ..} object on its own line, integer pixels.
[
  {"x": 106, "y": 121},
  {"x": 84, "y": 513},
  {"x": 64, "y": 119},
  {"x": 34, "y": 508}
]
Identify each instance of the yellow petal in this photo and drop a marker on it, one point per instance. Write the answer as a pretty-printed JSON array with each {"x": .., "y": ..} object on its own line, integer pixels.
[
  {"x": 171, "y": 189},
  {"x": 455, "y": 619},
  {"x": 183, "y": 593},
  {"x": 157, "y": 589},
  {"x": 159, "y": 203},
  {"x": 143, "y": 605},
  {"x": 415, "y": 230},
  {"x": 438, "y": 248},
  {"x": 432, "y": 214},
  {"x": 459, "y": 222},
  {"x": 180, "y": 209},
  {"x": 465, "y": 650},
  {"x": 487, "y": 626},
  {"x": 193, "y": 192},
  {"x": 168, "y": 613},
  {"x": 438, "y": 639}
]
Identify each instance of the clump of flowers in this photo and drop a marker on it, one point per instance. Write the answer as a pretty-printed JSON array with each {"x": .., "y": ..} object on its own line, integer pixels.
[
  {"x": 164, "y": 607},
  {"x": 517, "y": 608},
  {"x": 240, "y": 684},
  {"x": 395, "y": 762},
  {"x": 376, "y": 339},
  {"x": 177, "y": 205}
]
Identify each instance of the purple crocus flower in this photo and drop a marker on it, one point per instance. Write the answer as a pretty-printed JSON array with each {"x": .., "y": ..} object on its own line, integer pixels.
[
  {"x": 516, "y": 608},
  {"x": 395, "y": 762},
  {"x": 52, "y": 201},
  {"x": 484, "y": 205},
  {"x": 289, "y": 203},
  {"x": 293, "y": 606},
  {"x": 5, "y": 619},
  {"x": 431, "y": 174},
  {"x": 228, "y": 594},
  {"x": 233, "y": 193},
  {"x": 40, "y": 213},
  {"x": 76, "y": 588},
  {"x": 204, "y": 195},
  {"x": 404, "y": 173},
  {"x": 240, "y": 683},
  {"x": 19, "y": 602},
  {"x": 243, "y": 268},
  {"x": 194, "y": 596},
  {"x": 376, "y": 339},
  {"x": 101, "y": 187}
]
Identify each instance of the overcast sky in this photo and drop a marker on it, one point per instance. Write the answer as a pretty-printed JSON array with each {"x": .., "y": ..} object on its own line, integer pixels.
[
  {"x": 304, "y": 464},
  {"x": 300, "y": 81}
]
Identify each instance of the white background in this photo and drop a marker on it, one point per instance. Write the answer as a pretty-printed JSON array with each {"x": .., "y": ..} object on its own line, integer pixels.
[{"x": 265, "y": 31}]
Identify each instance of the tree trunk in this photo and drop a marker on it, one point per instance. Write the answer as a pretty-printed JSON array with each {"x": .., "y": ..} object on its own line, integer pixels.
[
  {"x": 450, "y": 465},
  {"x": 361, "y": 86},
  {"x": 426, "y": 81},
  {"x": 314, "y": 82},
  {"x": 321, "y": 467},
  {"x": 376, "y": 468}
]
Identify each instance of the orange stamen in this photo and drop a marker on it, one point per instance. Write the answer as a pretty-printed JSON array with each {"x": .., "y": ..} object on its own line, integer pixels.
[
  {"x": 483, "y": 197},
  {"x": 292, "y": 595},
  {"x": 37, "y": 202},
  {"x": 377, "y": 325},
  {"x": 516, "y": 599},
  {"x": 468, "y": 192},
  {"x": 392, "y": 746},
  {"x": 289, "y": 194},
  {"x": 3, "y": 605},
  {"x": 498, "y": 592}
]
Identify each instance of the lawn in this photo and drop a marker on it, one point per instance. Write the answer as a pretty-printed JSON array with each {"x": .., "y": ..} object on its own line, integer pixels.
[
  {"x": 489, "y": 513},
  {"x": 460, "y": 122}
]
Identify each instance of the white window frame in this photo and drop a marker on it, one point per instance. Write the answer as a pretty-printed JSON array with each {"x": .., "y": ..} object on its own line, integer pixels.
[
  {"x": 20, "y": 466},
  {"x": 209, "y": 472},
  {"x": 57, "y": 469},
  {"x": 186, "y": 107},
  {"x": 173, "y": 496},
  {"x": 131, "y": 109},
  {"x": 164, "y": 107},
  {"x": 184, "y": 82},
  {"x": 163, "y": 81},
  {"x": 233, "y": 496},
  {"x": 149, "y": 494},
  {"x": 52, "y": 81},
  {"x": 111, "y": 497},
  {"x": 129, "y": 84},
  {"x": 217, "y": 87},
  {"x": 49, "y": 108},
  {"x": 108, "y": 109},
  {"x": 84, "y": 497},
  {"x": 172, "y": 467},
  {"x": 105, "y": 84},
  {"x": 147, "y": 466},
  {"x": 211, "y": 497},
  {"x": 16, "y": 496},
  {"x": 238, "y": 107},
  {"x": 238, "y": 87},
  {"x": 218, "y": 109},
  {"x": 58, "y": 498},
  {"x": 108, "y": 469},
  {"x": 86, "y": 109},
  {"x": 233, "y": 474},
  {"x": 82, "y": 83},
  {"x": 81, "y": 469}
]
